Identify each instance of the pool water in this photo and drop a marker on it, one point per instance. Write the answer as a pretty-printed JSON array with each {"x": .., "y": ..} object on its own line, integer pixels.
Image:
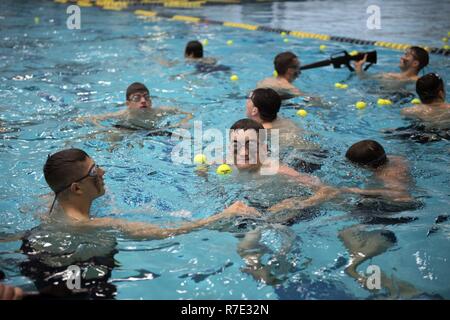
[{"x": 51, "y": 75}]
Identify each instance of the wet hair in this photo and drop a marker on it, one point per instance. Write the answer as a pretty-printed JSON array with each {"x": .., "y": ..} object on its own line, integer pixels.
[
  {"x": 421, "y": 55},
  {"x": 283, "y": 61},
  {"x": 195, "y": 48},
  {"x": 64, "y": 167},
  {"x": 134, "y": 88},
  {"x": 367, "y": 153},
  {"x": 429, "y": 86},
  {"x": 268, "y": 103}
]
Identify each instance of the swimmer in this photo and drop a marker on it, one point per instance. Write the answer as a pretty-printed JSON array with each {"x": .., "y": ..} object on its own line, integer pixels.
[
  {"x": 287, "y": 65},
  {"x": 193, "y": 53},
  {"x": 77, "y": 181},
  {"x": 263, "y": 105},
  {"x": 140, "y": 113},
  {"x": 391, "y": 171},
  {"x": 433, "y": 111},
  {"x": 413, "y": 60}
]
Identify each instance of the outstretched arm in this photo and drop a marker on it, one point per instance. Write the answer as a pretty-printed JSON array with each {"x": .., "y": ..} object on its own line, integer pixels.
[
  {"x": 303, "y": 178},
  {"x": 95, "y": 119},
  {"x": 151, "y": 231}
]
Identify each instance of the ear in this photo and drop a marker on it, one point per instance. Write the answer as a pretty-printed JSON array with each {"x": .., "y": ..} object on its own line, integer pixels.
[
  {"x": 416, "y": 64},
  {"x": 255, "y": 111},
  {"x": 75, "y": 188},
  {"x": 127, "y": 103}
]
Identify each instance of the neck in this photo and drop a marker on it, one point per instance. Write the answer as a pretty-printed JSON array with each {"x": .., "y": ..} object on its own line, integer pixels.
[
  {"x": 285, "y": 78},
  {"x": 410, "y": 73},
  {"x": 76, "y": 210},
  {"x": 436, "y": 102}
]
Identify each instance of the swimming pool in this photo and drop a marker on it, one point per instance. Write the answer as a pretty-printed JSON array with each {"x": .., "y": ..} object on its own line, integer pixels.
[{"x": 50, "y": 75}]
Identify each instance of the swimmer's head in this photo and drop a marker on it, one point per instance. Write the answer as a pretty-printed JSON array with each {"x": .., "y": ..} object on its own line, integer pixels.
[
  {"x": 287, "y": 65},
  {"x": 367, "y": 153},
  {"x": 263, "y": 105},
  {"x": 138, "y": 96},
  {"x": 414, "y": 58},
  {"x": 194, "y": 50},
  {"x": 247, "y": 144},
  {"x": 430, "y": 88},
  {"x": 73, "y": 176}
]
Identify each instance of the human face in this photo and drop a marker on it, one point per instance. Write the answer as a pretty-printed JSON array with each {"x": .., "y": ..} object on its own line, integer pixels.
[
  {"x": 244, "y": 148},
  {"x": 139, "y": 100},
  {"x": 92, "y": 181},
  {"x": 294, "y": 69},
  {"x": 408, "y": 61}
]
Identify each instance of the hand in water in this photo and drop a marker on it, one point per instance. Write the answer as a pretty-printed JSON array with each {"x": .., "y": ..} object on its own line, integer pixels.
[
  {"x": 10, "y": 293},
  {"x": 241, "y": 209}
]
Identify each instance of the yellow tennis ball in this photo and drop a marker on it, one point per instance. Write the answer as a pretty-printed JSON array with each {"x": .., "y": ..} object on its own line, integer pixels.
[
  {"x": 286, "y": 40},
  {"x": 384, "y": 101},
  {"x": 234, "y": 78},
  {"x": 224, "y": 169},
  {"x": 445, "y": 39},
  {"x": 360, "y": 105},
  {"x": 322, "y": 47},
  {"x": 354, "y": 53},
  {"x": 302, "y": 113},
  {"x": 230, "y": 42},
  {"x": 416, "y": 101},
  {"x": 341, "y": 85},
  {"x": 283, "y": 34},
  {"x": 446, "y": 47},
  {"x": 200, "y": 159},
  {"x": 205, "y": 42}
]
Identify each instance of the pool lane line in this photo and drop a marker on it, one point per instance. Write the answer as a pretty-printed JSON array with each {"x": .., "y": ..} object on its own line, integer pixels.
[{"x": 119, "y": 5}]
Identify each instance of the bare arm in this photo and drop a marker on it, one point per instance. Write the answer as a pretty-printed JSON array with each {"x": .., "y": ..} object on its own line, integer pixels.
[
  {"x": 150, "y": 231},
  {"x": 95, "y": 119},
  {"x": 303, "y": 178}
]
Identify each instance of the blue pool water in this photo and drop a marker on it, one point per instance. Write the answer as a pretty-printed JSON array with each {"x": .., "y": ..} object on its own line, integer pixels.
[{"x": 51, "y": 75}]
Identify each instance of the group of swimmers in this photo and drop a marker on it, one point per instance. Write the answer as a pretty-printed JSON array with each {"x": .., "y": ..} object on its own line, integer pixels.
[{"x": 76, "y": 180}]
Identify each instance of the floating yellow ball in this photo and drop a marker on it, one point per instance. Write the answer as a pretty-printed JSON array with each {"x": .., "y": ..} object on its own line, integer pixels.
[
  {"x": 341, "y": 85},
  {"x": 322, "y": 47},
  {"x": 275, "y": 73},
  {"x": 354, "y": 53},
  {"x": 205, "y": 42},
  {"x": 224, "y": 169},
  {"x": 283, "y": 34},
  {"x": 302, "y": 113},
  {"x": 200, "y": 159},
  {"x": 416, "y": 101},
  {"x": 360, "y": 105},
  {"x": 230, "y": 42},
  {"x": 234, "y": 78},
  {"x": 446, "y": 47},
  {"x": 448, "y": 33},
  {"x": 286, "y": 40},
  {"x": 445, "y": 39},
  {"x": 36, "y": 20},
  {"x": 384, "y": 102}
]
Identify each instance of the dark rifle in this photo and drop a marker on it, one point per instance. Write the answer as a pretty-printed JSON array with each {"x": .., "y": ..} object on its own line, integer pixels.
[{"x": 343, "y": 58}]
